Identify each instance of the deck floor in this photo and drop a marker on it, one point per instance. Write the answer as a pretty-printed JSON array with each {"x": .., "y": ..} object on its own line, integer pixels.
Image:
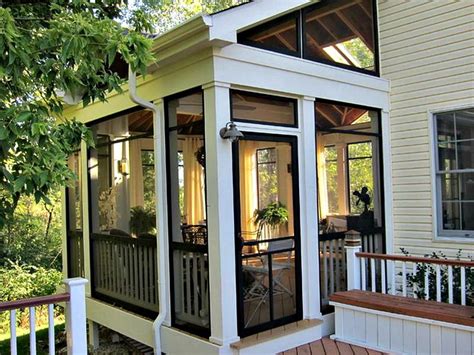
[{"x": 327, "y": 346}]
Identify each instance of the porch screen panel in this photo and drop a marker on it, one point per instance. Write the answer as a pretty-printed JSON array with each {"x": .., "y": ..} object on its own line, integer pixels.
[
  {"x": 187, "y": 213},
  {"x": 268, "y": 235},
  {"x": 349, "y": 169},
  {"x": 342, "y": 32},
  {"x": 75, "y": 242},
  {"x": 123, "y": 212}
]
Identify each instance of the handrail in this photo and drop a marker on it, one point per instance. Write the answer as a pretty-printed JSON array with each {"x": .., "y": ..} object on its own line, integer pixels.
[
  {"x": 34, "y": 302},
  {"x": 416, "y": 259},
  {"x": 146, "y": 241}
]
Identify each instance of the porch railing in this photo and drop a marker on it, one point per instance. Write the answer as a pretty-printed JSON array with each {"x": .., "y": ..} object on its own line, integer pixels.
[
  {"x": 441, "y": 280},
  {"x": 332, "y": 257},
  {"x": 191, "y": 284},
  {"x": 75, "y": 318},
  {"x": 125, "y": 272}
]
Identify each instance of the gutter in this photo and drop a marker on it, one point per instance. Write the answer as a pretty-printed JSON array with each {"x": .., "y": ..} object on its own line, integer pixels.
[{"x": 132, "y": 87}]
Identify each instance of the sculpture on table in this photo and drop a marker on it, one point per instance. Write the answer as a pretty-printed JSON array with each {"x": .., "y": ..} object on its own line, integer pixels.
[{"x": 363, "y": 197}]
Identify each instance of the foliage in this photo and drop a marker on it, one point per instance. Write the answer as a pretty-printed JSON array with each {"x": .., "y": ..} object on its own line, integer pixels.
[
  {"x": 273, "y": 215},
  {"x": 18, "y": 281},
  {"x": 361, "y": 52},
  {"x": 142, "y": 221},
  {"x": 417, "y": 282},
  {"x": 33, "y": 236},
  {"x": 48, "y": 49}
]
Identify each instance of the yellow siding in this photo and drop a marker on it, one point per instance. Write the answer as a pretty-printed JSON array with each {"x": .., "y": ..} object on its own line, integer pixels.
[{"x": 427, "y": 51}]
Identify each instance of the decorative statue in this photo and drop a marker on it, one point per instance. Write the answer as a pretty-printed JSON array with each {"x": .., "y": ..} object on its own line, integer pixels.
[{"x": 363, "y": 197}]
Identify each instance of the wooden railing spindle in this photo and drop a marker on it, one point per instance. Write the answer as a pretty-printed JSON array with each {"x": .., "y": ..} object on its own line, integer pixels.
[
  {"x": 13, "y": 348},
  {"x": 427, "y": 285},
  {"x": 450, "y": 284},
  {"x": 363, "y": 274},
  {"x": 438, "y": 283},
  {"x": 393, "y": 286},
  {"x": 463, "y": 285},
  {"x": 32, "y": 330},
  {"x": 404, "y": 279},
  {"x": 372, "y": 275},
  {"x": 51, "y": 329},
  {"x": 415, "y": 269},
  {"x": 383, "y": 281}
]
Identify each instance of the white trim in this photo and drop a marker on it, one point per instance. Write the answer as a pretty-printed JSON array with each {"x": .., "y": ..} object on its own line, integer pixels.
[
  {"x": 403, "y": 317},
  {"x": 440, "y": 236},
  {"x": 387, "y": 181}
]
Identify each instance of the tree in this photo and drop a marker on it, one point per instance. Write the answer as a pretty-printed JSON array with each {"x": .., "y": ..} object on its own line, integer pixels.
[{"x": 48, "y": 48}]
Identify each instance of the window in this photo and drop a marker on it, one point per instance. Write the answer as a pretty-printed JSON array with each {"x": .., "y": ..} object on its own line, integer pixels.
[
  {"x": 267, "y": 179},
  {"x": 330, "y": 156},
  {"x": 264, "y": 109},
  {"x": 148, "y": 172},
  {"x": 455, "y": 172},
  {"x": 360, "y": 172},
  {"x": 341, "y": 32},
  {"x": 337, "y": 32},
  {"x": 280, "y": 35}
]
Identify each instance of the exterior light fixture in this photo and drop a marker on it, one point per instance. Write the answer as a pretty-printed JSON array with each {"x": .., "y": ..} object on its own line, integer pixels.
[
  {"x": 231, "y": 132},
  {"x": 123, "y": 166}
]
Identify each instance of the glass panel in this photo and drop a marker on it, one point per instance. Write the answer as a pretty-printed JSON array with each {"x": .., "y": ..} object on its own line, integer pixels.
[
  {"x": 74, "y": 225},
  {"x": 333, "y": 189},
  {"x": 451, "y": 216},
  {"x": 467, "y": 186},
  {"x": 122, "y": 211},
  {"x": 467, "y": 216},
  {"x": 361, "y": 179},
  {"x": 280, "y": 35},
  {"x": 447, "y": 156},
  {"x": 464, "y": 124},
  {"x": 284, "y": 290},
  {"x": 263, "y": 108},
  {"x": 341, "y": 31},
  {"x": 267, "y": 177},
  {"x": 445, "y": 126},
  {"x": 187, "y": 209},
  {"x": 465, "y": 154},
  {"x": 449, "y": 187}
]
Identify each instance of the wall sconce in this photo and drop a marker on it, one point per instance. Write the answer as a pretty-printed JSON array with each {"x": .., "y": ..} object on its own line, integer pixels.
[
  {"x": 123, "y": 167},
  {"x": 231, "y": 132}
]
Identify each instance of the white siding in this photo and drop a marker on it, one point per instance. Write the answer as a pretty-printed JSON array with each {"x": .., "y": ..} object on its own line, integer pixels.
[{"x": 427, "y": 51}]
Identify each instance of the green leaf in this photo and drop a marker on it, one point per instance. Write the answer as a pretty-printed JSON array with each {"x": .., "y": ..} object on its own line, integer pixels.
[{"x": 3, "y": 133}]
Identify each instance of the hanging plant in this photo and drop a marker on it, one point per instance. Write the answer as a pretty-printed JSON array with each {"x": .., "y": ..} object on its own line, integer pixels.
[{"x": 201, "y": 156}]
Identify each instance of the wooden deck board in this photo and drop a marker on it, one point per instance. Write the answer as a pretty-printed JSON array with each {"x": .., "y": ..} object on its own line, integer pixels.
[{"x": 327, "y": 346}]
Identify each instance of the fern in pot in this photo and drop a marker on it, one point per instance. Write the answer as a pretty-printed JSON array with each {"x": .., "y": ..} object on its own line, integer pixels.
[
  {"x": 142, "y": 222},
  {"x": 274, "y": 215}
]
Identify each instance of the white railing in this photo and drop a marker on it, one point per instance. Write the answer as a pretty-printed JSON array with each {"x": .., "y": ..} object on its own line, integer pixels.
[
  {"x": 441, "y": 280},
  {"x": 75, "y": 317},
  {"x": 332, "y": 259}
]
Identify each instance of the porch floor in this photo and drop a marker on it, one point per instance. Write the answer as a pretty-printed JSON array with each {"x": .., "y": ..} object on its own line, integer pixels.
[{"x": 326, "y": 346}]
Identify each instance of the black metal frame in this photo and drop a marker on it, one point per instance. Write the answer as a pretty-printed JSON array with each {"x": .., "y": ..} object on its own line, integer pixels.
[
  {"x": 300, "y": 15},
  {"x": 199, "y": 331},
  {"x": 292, "y": 140},
  {"x": 381, "y": 165},
  {"x": 266, "y": 96}
]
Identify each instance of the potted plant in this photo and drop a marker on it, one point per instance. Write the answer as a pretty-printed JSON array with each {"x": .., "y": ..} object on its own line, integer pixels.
[
  {"x": 273, "y": 215},
  {"x": 142, "y": 222}
]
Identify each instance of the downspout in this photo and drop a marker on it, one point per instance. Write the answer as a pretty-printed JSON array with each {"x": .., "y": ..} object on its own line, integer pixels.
[{"x": 132, "y": 87}]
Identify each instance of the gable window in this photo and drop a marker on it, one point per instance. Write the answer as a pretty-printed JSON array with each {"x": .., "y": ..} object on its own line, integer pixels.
[
  {"x": 455, "y": 172},
  {"x": 337, "y": 32}
]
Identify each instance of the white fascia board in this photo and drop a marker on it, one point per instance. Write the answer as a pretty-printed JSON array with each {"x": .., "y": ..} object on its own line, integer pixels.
[
  {"x": 251, "y": 67},
  {"x": 226, "y": 24}
]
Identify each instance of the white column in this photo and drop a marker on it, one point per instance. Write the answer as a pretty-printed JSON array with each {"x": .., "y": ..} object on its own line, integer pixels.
[
  {"x": 309, "y": 211},
  {"x": 353, "y": 246},
  {"x": 221, "y": 242},
  {"x": 76, "y": 316},
  {"x": 387, "y": 182}
]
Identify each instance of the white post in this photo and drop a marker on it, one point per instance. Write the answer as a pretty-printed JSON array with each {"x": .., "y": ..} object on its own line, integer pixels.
[
  {"x": 221, "y": 239},
  {"x": 76, "y": 316},
  {"x": 353, "y": 246}
]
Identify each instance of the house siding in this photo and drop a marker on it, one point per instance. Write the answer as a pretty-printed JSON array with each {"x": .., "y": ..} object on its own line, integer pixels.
[{"x": 427, "y": 52}]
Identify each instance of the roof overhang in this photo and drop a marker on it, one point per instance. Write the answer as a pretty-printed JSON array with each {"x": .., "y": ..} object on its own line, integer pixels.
[{"x": 219, "y": 29}]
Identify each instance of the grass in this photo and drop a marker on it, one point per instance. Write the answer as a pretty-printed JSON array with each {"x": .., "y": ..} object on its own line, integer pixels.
[{"x": 23, "y": 340}]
